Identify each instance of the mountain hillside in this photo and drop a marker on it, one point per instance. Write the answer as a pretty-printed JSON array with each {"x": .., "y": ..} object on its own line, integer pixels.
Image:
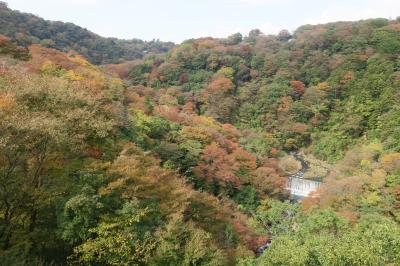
[
  {"x": 27, "y": 29},
  {"x": 187, "y": 157}
]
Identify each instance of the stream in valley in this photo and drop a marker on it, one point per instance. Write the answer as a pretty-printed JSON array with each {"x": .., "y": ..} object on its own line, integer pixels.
[{"x": 299, "y": 188}]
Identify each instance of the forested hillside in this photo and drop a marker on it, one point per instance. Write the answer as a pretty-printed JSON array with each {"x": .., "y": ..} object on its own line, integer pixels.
[
  {"x": 330, "y": 90},
  {"x": 27, "y": 29},
  {"x": 183, "y": 157}
]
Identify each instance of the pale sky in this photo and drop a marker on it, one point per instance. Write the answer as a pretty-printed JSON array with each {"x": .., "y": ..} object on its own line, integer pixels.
[{"x": 177, "y": 20}]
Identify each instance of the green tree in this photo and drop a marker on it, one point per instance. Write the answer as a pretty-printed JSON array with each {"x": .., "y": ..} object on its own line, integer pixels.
[
  {"x": 181, "y": 243},
  {"x": 118, "y": 240}
]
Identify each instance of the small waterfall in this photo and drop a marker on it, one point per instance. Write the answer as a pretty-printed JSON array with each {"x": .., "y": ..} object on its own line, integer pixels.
[
  {"x": 302, "y": 187},
  {"x": 298, "y": 186}
]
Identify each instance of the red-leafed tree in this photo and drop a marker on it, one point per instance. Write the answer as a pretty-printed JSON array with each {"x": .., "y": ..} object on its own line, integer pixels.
[{"x": 298, "y": 86}]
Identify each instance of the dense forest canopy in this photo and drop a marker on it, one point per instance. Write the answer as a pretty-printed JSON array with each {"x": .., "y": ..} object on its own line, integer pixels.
[
  {"x": 27, "y": 29},
  {"x": 182, "y": 156}
]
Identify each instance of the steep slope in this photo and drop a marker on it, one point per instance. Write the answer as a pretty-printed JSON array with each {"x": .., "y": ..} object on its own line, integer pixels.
[{"x": 74, "y": 179}]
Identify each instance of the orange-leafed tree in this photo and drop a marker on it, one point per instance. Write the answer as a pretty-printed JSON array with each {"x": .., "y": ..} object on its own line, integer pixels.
[
  {"x": 268, "y": 181},
  {"x": 217, "y": 165},
  {"x": 220, "y": 102}
]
